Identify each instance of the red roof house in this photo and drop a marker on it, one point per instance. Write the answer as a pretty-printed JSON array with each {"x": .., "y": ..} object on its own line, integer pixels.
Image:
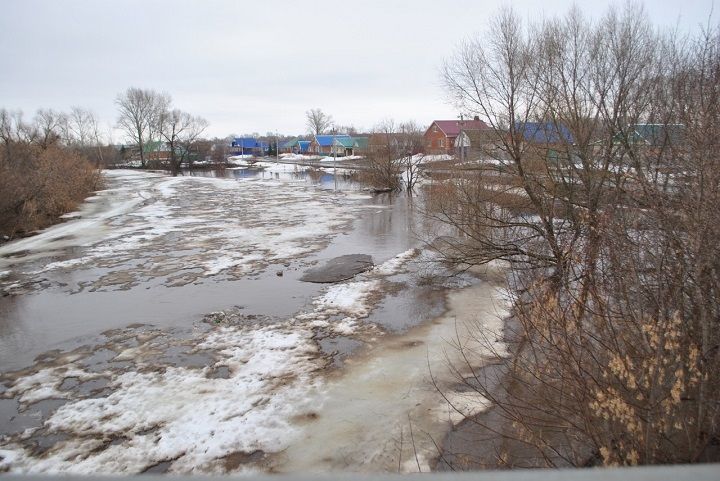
[{"x": 440, "y": 136}]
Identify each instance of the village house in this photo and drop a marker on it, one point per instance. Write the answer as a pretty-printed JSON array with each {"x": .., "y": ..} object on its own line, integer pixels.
[
  {"x": 295, "y": 146},
  {"x": 398, "y": 142},
  {"x": 441, "y": 135},
  {"x": 654, "y": 135},
  {"x": 333, "y": 144},
  {"x": 361, "y": 145},
  {"x": 328, "y": 144},
  {"x": 156, "y": 151},
  {"x": 661, "y": 142},
  {"x": 479, "y": 144},
  {"x": 249, "y": 146},
  {"x": 550, "y": 141},
  {"x": 544, "y": 133}
]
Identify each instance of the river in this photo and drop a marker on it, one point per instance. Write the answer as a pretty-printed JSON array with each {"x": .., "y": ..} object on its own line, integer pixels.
[{"x": 163, "y": 328}]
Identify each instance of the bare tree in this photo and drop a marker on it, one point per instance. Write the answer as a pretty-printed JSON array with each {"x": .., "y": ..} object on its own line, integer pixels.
[
  {"x": 80, "y": 123},
  {"x": 317, "y": 121},
  {"x": 98, "y": 139},
  {"x": 394, "y": 157},
  {"x": 139, "y": 115},
  {"x": 411, "y": 143},
  {"x": 384, "y": 158},
  {"x": 13, "y": 129},
  {"x": 47, "y": 123},
  {"x": 600, "y": 196},
  {"x": 180, "y": 130}
]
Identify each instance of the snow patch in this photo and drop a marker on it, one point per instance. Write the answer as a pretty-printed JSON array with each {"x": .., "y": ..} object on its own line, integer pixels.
[
  {"x": 7, "y": 458},
  {"x": 396, "y": 264},
  {"x": 45, "y": 384},
  {"x": 185, "y": 415},
  {"x": 347, "y": 157},
  {"x": 351, "y": 298},
  {"x": 299, "y": 157}
]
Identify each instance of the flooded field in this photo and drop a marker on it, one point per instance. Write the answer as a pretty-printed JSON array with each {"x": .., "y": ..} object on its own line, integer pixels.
[{"x": 163, "y": 328}]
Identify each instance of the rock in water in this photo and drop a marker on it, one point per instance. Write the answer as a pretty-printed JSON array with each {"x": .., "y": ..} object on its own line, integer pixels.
[{"x": 339, "y": 269}]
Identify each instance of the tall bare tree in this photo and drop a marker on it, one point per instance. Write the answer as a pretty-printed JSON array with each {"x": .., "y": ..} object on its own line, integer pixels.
[
  {"x": 47, "y": 123},
  {"x": 317, "y": 121},
  {"x": 139, "y": 115},
  {"x": 412, "y": 144},
  {"x": 600, "y": 196},
  {"x": 180, "y": 130}
]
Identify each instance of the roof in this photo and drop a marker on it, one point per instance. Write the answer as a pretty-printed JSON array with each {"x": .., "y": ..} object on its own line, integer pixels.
[
  {"x": 361, "y": 142},
  {"x": 244, "y": 142},
  {"x": 155, "y": 146},
  {"x": 452, "y": 128},
  {"x": 327, "y": 140},
  {"x": 544, "y": 132},
  {"x": 657, "y": 134},
  {"x": 347, "y": 142},
  {"x": 302, "y": 145},
  {"x": 249, "y": 143}
]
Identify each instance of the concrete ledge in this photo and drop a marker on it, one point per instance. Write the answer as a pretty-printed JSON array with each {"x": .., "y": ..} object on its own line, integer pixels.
[{"x": 694, "y": 472}]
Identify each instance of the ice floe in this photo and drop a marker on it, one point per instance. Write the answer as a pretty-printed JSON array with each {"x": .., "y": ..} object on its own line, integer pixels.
[
  {"x": 157, "y": 412},
  {"x": 187, "y": 229}
]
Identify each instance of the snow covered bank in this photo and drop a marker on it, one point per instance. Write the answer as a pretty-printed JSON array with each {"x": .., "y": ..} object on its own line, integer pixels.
[
  {"x": 339, "y": 159},
  {"x": 299, "y": 157}
]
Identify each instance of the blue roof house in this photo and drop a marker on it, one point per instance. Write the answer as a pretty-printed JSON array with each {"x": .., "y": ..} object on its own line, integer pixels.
[
  {"x": 249, "y": 146},
  {"x": 551, "y": 139},
  {"x": 546, "y": 133},
  {"x": 330, "y": 144},
  {"x": 296, "y": 146}
]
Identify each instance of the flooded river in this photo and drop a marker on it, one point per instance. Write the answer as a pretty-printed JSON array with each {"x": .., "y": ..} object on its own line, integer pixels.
[{"x": 163, "y": 328}]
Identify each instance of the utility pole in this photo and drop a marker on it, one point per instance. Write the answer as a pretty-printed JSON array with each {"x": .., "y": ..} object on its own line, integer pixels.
[
  {"x": 334, "y": 147},
  {"x": 462, "y": 139},
  {"x": 277, "y": 149}
]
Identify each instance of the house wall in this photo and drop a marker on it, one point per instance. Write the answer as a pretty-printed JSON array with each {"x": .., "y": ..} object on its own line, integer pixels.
[
  {"x": 158, "y": 155},
  {"x": 436, "y": 142},
  {"x": 315, "y": 148}
]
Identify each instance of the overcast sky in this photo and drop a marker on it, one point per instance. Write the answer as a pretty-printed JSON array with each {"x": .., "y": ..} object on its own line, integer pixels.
[{"x": 257, "y": 66}]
